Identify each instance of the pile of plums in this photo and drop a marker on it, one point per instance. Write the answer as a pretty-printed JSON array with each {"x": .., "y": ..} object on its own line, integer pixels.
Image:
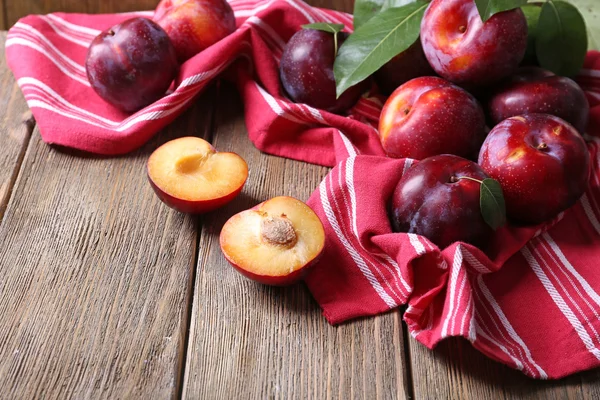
[
  {"x": 133, "y": 64},
  {"x": 535, "y": 149}
]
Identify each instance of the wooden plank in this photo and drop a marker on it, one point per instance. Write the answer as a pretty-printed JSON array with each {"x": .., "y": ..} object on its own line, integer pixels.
[
  {"x": 19, "y": 9},
  {"x": 95, "y": 276},
  {"x": 15, "y": 128},
  {"x": 252, "y": 341},
  {"x": 455, "y": 370},
  {"x": 3, "y": 21}
]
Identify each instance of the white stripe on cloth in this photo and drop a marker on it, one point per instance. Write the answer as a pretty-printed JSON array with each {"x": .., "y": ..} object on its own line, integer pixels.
[
  {"x": 468, "y": 311},
  {"x": 353, "y": 210},
  {"x": 276, "y": 108},
  {"x": 479, "y": 331},
  {"x": 65, "y": 34},
  {"x": 507, "y": 346},
  {"x": 350, "y": 149},
  {"x": 417, "y": 245},
  {"x": 474, "y": 262},
  {"x": 76, "y": 76},
  {"x": 560, "y": 302},
  {"x": 509, "y": 328},
  {"x": 42, "y": 40},
  {"x": 584, "y": 284},
  {"x": 83, "y": 30},
  {"x": 356, "y": 258},
  {"x": 456, "y": 266},
  {"x": 587, "y": 208},
  {"x": 370, "y": 262},
  {"x": 562, "y": 284},
  {"x": 461, "y": 289},
  {"x": 304, "y": 12},
  {"x": 269, "y": 31}
]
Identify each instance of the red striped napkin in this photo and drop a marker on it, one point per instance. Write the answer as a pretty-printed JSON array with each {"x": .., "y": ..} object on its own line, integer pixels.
[{"x": 531, "y": 302}]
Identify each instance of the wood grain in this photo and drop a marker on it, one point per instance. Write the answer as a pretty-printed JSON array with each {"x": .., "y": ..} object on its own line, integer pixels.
[
  {"x": 95, "y": 276},
  {"x": 18, "y": 9},
  {"x": 3, "y": 21},
  {"x": 16, "y": 125},
  {"x": 252, "y": 341}
]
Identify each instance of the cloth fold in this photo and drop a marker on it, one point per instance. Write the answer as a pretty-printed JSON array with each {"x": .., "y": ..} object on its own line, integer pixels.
[{"x": 530, "y": 300}]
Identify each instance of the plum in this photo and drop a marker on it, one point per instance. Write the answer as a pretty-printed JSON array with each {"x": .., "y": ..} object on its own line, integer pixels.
[
  {"x": 428, "y": 116},
  {"x": 306, "y": 71},
  {"x": 536, "y": 90},
  {"x": 541, "y": 162},
  {"x": 132, "y": 64},
  {"x": 193, "y": 25},
  {"x": 439, "y": 199},
  {"x": 465, "y": 50}
]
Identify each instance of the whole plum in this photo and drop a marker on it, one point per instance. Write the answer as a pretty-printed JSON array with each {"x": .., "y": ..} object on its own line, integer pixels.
[
  {"x": 469, "y": 52},
  {"x": 536, "y": 90},
  {"x": 193, "y": 25},
  {"x": 541, "y": 162},
  {"x": 428, "y": 116},
  {"x": 306, "y": 71},
  {"x": 439, "y": 198},
  {"x": 132, "y": 64}
]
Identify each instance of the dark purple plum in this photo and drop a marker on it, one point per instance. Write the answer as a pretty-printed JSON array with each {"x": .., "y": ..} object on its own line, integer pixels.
[
  {"x": 131, "y": 65},
  {"x": 306, "y": 71},
  {"x": 409, "y": 64},
  {"x": 431, "y": 200},
  {"x": 536, "y": 90}
]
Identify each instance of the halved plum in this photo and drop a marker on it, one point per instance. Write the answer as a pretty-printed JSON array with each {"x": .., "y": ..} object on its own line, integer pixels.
[
  {"x": 189, "y": 175},
  {"x": 275, "y": 242}
]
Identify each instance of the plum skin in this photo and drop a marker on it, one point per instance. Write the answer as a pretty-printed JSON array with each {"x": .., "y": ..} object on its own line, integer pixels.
[
  {"x": 466, "y": 51},
  {"x": 132, "y": 64},
  {"x": 306, "y": 71},
  {"x": 536, "y": 90},
  {"x": 428, "y": 116},
  {"x": 194, "y": 25},
  {"x": 541, "y": 162},
  {"x": 431, "y": 202},
  {"x": 409, "y": 64}
]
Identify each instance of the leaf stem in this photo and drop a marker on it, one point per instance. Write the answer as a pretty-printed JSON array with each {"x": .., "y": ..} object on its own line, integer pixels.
[
  {"x": 457, "y": 178},
  {"x": 335, "y": 45}
]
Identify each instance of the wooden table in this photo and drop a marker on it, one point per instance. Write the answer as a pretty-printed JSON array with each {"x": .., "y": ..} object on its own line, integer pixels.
[{"x": 107, "y": 293}]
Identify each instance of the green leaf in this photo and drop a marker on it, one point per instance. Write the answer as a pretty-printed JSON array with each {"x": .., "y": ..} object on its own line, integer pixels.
[
  {"x": 491, "y": 202},
  {"x": 591, "y": 14},
  {"x": 364, "y": 10},
  {"x": 325, "y": 27},
  {"x": 487, "y": 8},
  {"x": 376, "y": 42},
  {"x": 532, "y": 14},
  {"x": 561, "y": 38}
]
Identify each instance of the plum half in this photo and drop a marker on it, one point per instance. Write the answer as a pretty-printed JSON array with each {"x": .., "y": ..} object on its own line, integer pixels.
[
  {"x": 275, "y": 242},
  {"x": 189, "y": 175}
]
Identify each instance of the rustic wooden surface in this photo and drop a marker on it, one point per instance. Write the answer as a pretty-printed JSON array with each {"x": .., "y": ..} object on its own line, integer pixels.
[
  {"x": 106, "y": 293},
  {"x": 94, "y": 276},
  {"x": 15, "y": 9},
  {"x": 15, "y": 129},
  {"x": 256, "y": 342}
]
